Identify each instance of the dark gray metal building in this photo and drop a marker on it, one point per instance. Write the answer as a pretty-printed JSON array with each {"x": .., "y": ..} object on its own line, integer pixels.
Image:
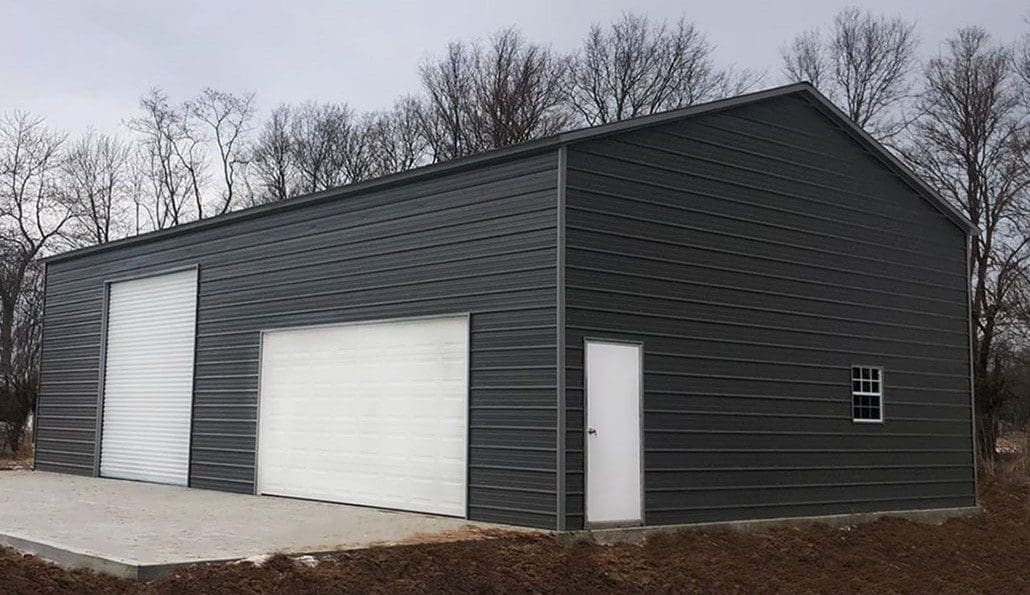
[{"x": 743, "y": 309}]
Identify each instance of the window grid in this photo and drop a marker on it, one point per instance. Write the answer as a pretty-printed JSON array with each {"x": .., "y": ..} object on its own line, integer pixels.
[{"x": 866, "y": 394}]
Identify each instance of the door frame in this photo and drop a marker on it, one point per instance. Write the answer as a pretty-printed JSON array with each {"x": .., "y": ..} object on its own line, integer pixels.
[
  {"x": 105, "y": 305},
  {"x": 586, "y": 426}
]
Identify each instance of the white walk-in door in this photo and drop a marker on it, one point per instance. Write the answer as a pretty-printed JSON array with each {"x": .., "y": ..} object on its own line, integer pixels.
[
  {"x": 371, "y": 414},
  {"x": 148, "y": 378},
  {"x": 613, "y": 448}
]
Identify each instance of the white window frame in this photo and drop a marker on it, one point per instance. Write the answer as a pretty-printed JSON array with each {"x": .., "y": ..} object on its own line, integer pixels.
[{"x": 878, "y": 394}]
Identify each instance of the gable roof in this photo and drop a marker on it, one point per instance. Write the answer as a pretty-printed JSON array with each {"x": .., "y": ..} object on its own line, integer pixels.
[{"x": 803, "y": 89}]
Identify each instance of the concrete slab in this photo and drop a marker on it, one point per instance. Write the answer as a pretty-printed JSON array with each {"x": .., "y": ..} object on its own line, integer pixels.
[{"x": 144, "y": 531}]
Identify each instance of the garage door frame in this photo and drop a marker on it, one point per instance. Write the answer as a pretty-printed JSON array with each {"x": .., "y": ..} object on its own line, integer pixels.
[
  {"x": 102, "y": 360},
  {"x": 467, "y": 316}
]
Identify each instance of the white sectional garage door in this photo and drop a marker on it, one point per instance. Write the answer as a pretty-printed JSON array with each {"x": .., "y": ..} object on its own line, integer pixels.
[
  {"x": 372, "y": 414},
  {"x": 148, "y": 378}
]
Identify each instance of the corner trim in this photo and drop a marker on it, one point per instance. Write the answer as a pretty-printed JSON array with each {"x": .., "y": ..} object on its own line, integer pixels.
[
  {"x": 562, "y": 488},
  {"x": 972, "y": 374},
  {"x": 98, "y": 432},
  {"x": 39, "y": 378}
]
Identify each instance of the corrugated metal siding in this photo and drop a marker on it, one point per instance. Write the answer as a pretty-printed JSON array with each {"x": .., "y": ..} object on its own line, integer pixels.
[
  {"x": 479, "y": 241},
  {"x": 758, "y": 253}
]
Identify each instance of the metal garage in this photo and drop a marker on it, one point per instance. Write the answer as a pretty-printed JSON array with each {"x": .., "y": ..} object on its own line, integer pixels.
[{"x": 743, "y": 309}]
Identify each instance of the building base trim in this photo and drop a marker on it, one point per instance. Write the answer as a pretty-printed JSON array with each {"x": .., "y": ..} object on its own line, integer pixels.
[{"x": 635, "y": 535}]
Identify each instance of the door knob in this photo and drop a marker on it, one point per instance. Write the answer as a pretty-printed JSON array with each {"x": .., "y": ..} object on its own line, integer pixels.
[{"x": 591, "y": 431}]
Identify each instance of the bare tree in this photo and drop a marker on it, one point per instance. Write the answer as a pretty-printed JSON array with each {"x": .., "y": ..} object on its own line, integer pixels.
[
  {"x": 156, "y": 204},
  {"x": 21, "y": 382},
  {"x": 187, "y": 141},
  {"x": 321, "y": 146},
  {"x": 33, "y": 212},
  {"x": 518, "y": 91},
  {"x": 448, "y": 114},
  {"x": 865, "y": 65},
  {"x": 1017, "y": 409},
  {"x": 969, "y": 142},
  {"x": 169, "y": 160},
  {"x": 182, "y": 143},
  {"x": 480, "y": 97},
  {"x": 637, "y": 67},
  {"x": 319, "y": 138},
  {"x": 1022, "y": 66},
  {"x": 396, "y": 139},
  {"x": 95, "y": 173},
  {"x": 272, "y": 162},
  {"x": 806, "y": 59},
  {"x": 227, "y": 119},
  {"x": 358, "y": 157}
]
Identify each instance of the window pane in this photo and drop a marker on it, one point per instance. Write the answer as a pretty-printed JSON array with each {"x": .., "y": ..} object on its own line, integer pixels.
[{"x": 866, "y": 391}]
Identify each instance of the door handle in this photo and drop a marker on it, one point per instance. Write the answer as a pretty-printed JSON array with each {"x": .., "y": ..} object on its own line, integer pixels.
[{"x": 591, "y": 431}]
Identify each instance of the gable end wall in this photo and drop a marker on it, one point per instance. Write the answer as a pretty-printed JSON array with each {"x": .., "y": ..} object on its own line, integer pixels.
[{"x": 758, "y": 253}]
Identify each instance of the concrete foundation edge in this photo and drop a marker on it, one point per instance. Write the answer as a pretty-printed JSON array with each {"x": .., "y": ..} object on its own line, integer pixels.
[
  {"x": 633, "y": 535},
  {"x": 71, "y": 560},
  {"x": 67, "y": 558}
]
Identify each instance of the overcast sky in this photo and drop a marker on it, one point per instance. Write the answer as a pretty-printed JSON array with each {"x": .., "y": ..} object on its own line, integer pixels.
[{"x": 82, "y": 63}]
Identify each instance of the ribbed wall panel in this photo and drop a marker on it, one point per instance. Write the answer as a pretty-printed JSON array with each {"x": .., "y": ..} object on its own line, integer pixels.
[
  {"x": 758, "y": 253},
  {"x": 479, "y": 241}
]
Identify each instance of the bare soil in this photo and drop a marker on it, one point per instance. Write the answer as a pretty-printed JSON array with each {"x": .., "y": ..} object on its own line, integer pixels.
[
  {"x": 20, "y": 459},
  {"x": 989, "y": 554},
  {"x": 8, "y": 464}
]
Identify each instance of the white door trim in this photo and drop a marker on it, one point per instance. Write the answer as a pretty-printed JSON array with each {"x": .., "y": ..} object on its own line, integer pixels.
[
  {"x": 192, "y": 272},
  {"x": 639, "y": 345},
  {"x": 105, "y": 304}
]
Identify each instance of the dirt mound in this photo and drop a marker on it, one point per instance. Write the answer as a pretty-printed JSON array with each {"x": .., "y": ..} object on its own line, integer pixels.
[{"x": 986, "y": 554}]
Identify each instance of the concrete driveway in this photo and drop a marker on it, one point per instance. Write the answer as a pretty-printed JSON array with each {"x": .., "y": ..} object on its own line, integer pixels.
[{"x": 143, "y": 531}]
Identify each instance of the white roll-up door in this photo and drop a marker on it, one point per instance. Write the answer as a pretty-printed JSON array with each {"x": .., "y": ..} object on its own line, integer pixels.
[
  {"x": 148, "y": 378},
  {"x": 371, "y": 414}
]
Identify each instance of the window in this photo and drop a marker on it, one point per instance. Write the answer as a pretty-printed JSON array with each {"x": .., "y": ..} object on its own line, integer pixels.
[{"x": 866, "y": 394}]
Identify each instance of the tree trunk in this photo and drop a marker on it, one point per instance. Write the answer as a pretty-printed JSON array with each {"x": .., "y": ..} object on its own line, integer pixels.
[
  {"x": 7, "y": 396},
  {"x": 987, "y": 438},
  {"x": 15, "y": 435},
  {"x": 6, "y": 343}
]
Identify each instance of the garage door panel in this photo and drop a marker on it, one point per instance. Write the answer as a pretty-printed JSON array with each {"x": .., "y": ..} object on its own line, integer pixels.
[
  {"x": 371, "y": 414},
  {"x": 148, "y": 378}
]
